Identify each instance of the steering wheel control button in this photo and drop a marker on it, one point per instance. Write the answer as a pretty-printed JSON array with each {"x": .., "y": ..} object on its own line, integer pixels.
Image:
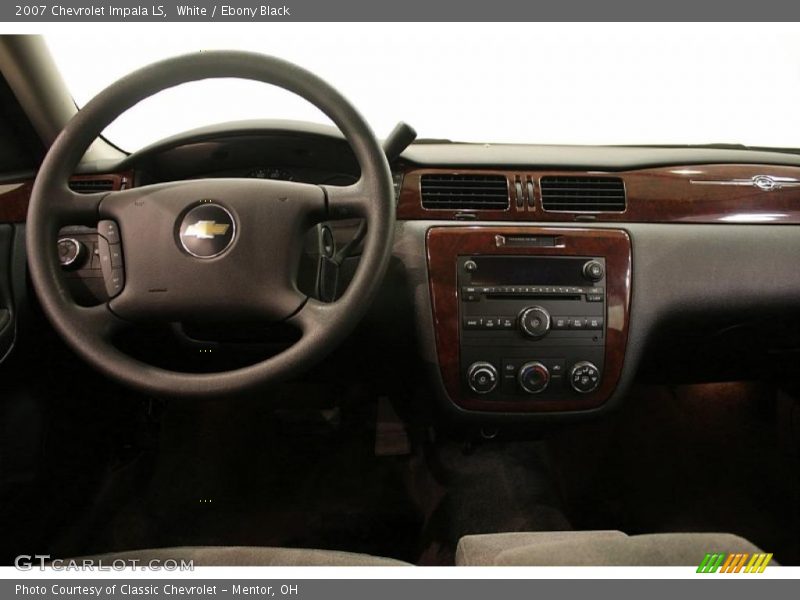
[
  {"x": 71, "y": 253},
  {"x": 593, "y": 270},
  {"x": 109, "y": 230},
  {"x": 115, "y": 254},
  {"x": 534, "y": 322},
  {"x": 533, "y": 377},
  {"x": 115, "y": 282},
  {"x": 110, "y": 257},
  {"x": 584, "y": 377},
  {"x": 482, "y": 377},
  {"x": 206, "y": 230}
]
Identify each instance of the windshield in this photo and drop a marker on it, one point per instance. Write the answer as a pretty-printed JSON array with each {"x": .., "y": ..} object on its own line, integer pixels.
[{"x": 658, "y": 84}]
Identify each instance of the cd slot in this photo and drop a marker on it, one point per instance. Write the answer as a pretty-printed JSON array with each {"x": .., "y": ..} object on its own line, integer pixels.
[{"x": 517, "y": 295}]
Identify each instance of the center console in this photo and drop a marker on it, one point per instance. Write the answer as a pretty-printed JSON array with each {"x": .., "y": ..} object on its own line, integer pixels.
[{"x": 529, "y": 319}]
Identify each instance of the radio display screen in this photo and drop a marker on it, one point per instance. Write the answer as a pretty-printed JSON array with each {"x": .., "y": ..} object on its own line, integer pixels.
[{"x": 528, "y": 270}]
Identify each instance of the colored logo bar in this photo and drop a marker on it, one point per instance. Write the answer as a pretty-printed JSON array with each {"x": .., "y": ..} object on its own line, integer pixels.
[{"x": 734, "y": 563}]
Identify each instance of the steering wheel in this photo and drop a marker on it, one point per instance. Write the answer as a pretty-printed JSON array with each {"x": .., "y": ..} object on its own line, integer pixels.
[{"x": 220, "y": 249}]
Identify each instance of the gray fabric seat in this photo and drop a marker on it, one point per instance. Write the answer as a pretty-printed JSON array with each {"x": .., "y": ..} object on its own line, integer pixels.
[
  {"x": 246, "y": 556},
  {"x": 595, "y": 548}
]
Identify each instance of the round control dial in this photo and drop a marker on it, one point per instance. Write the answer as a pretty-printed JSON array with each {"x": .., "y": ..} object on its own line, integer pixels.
[
  {"x": 593, "y": 270},
  {"x": 534, "y": 322},
  {"x": 584, "y": 377},
  {"x": 482, "y": 377},
  {"x": 533, "y": 377},
  {"x": 71, "y": 253}
]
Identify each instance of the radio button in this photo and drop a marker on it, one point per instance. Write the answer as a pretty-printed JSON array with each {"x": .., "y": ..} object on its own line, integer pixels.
[
  {"x": 470, "y": 266},
  {"x": 506, "y": 322},
  {"x": 473, "y": 322},
  {"x": 560, "y": 322},
  {"x": 594, "y": 297},
  {"x": 491, "y": 323},
  {"x": 594, "y": 322},
  {"x": 577, "y": 323},
  {"x": 534, "y": 322},
  {"x": 470, "y": 293}
]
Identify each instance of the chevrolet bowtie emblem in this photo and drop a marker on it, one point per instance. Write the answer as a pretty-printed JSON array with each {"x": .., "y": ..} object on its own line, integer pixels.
[{"x": 206, "y": 230}]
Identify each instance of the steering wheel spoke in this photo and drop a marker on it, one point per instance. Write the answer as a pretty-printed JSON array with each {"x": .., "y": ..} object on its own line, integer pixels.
[
  {"x": 312, "y": 316},
  {"x": 347, "y": 202},
  {"x": 72, "y": 208},
  {"x": 99, "y": 320}
]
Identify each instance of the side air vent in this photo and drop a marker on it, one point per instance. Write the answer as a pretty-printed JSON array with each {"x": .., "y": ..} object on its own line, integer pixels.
[
  {"x": 583, "y": 194},
  {"x": 464, "y": 192},
  {"x": 88, "y": 186}
]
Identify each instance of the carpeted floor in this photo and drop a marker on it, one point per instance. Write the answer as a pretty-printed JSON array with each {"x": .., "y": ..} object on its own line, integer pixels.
[{"x": 691, "y": 458}]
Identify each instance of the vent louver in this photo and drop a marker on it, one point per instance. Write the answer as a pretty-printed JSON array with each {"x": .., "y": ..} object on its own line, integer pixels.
[
  {"x": 583, "y": 194},
  {"x": 464, "y": 192},
  {"x": 89, "y": 186}
]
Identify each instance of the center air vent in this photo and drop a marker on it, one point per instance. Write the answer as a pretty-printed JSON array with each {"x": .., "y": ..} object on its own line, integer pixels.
[
  {"x": 583, "y": 194},
  {"x": 464, "y": 192},
  {"x": 88, "y": 186}
]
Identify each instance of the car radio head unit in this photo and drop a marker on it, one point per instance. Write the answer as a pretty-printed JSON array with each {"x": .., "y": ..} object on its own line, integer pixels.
[{"x": 531, "y": 326}]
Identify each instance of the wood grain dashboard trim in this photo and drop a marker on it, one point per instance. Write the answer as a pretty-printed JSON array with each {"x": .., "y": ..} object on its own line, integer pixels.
[
  {"x": 14, "y": 197},
  {"x": 445, "y": 244},
  {"x": 657, "y": 195}
]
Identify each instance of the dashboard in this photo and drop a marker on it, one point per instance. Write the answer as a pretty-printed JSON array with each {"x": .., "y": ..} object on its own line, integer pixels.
[{"x": 543, "y": 279}]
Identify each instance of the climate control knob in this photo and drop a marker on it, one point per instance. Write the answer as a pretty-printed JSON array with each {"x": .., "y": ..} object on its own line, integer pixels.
[
  {"x": 482, "y": 377},
  {"x": 534, "y": 322},
  {"x": 584, "y": 377},
  {"x": 533, "y": 377}
]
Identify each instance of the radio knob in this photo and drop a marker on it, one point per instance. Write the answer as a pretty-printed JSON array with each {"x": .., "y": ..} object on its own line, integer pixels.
[
  {"x": 534, "y": 322},
  {"x": 533, "y": 377},
  {"x": 584, "y": 377},
  {"x": 482, "y": 377},
  {"x": 593, "y": 270}
]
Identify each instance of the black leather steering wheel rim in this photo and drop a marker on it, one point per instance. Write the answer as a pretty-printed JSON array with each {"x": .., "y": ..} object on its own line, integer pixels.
[{"x": 52, "y": 205}]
